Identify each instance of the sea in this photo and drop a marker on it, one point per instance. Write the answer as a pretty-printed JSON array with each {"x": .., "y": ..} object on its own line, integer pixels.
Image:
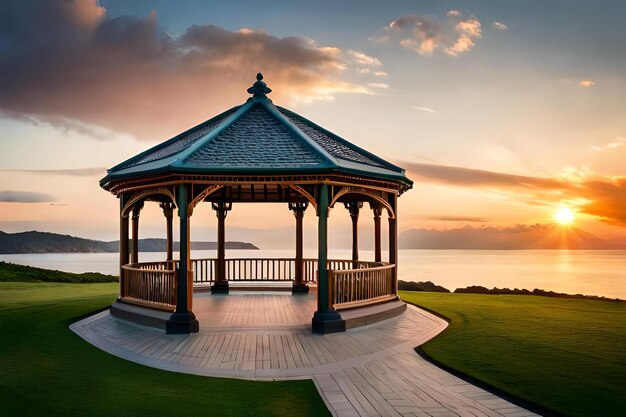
[{"x": 589, "y": 272}]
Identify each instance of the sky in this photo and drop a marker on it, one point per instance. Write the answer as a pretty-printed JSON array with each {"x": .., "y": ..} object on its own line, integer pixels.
[{"x": 502, "y": 112}]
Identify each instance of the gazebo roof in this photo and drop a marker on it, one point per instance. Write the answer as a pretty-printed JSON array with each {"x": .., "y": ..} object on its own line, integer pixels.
[{"x": 257, "y": 138}]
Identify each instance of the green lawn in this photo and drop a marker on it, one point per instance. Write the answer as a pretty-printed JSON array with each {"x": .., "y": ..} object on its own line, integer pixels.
[
  {"x": 20, "y": 273},
  {"x": 46, "y": 370},
  {"x": 566, "y": 355}
]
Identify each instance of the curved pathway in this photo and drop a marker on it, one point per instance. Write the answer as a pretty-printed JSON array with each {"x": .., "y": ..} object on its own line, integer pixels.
[{"x": 368, "y": 371}]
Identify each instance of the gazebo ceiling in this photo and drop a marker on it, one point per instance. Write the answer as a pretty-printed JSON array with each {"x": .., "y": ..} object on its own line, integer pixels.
[{"x": 257, "y": 138}]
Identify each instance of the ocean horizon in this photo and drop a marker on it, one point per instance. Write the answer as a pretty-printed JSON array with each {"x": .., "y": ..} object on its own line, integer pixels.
[{"x": 588, "y": 272}]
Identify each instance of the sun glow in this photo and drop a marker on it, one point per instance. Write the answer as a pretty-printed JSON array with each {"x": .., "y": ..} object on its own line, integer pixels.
[{"x": 564, "y": 216}]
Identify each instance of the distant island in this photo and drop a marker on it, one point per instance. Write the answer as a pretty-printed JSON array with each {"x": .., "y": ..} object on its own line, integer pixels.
[
  {"x": 429, "y": 286},
  {"x": 44, "y": 242},
  {"x": 537, "y": 236}
]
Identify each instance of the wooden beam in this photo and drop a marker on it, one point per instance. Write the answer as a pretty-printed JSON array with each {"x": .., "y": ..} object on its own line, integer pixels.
[
  {"x": 168, "y": 210},
  {"x": 135, "y": 244},
  {"x": 353, "y": 207},
  {"x": 377, "y": 236},
  {"x": 123, "y": 245},
  {"x": 393, "y": 240},
  {"x": 298, "y": 211},
  {"x": 221, "y": 283}
]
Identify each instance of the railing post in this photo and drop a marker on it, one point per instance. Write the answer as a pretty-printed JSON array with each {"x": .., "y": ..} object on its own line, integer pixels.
[
  {"x": 325, "y": 319},
  {"x": 183, "y": 320}
]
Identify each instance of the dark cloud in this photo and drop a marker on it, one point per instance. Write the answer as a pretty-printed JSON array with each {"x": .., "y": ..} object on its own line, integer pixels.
[
  {"x": 79, "y": 172},
  {"x": 24, "y": 197},
  {"x": 476, "y": 177},
  {"x": 63, "y": 60},
  {"x": 454, "y": 35}
]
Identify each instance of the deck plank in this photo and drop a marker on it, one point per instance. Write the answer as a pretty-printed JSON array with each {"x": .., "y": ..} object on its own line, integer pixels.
[{"x": 363, "y": 372}]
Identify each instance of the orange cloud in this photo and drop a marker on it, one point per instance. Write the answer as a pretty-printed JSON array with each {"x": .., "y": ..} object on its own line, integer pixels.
[
  {"x": 66, "y": 61},
  {"x": 586, "y": 83},
  {"x": 603, "y": 197}
]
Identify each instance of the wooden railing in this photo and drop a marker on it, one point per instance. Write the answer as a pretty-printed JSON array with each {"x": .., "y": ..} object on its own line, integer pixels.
[
  {"x": 366, "y": 285},
  {"x": 351, "y": 283},
  {"x": 245, "y": 269},
  {"x": 149, "y": 283},
  {"x": 264, "y": 269},
  {"x": 203, "y": 271}
]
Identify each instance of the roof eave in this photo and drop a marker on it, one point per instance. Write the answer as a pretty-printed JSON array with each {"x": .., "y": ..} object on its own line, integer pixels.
[{"x": 320, "y": 169}]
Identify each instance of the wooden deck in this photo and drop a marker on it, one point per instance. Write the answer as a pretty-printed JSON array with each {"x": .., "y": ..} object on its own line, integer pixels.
[{"x": 367, "y": 371}]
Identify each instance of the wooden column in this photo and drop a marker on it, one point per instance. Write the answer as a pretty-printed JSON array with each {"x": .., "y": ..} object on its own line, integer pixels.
[
  {"x": 135, "y": 245},
  {"x": 325, "y": 319},
  {"x": 123, "y": 247},
  {"x": 393, "y": 239},
  {"x": 353, "y": 207},
  {"x": 221, "y": 283},
  {"x": 299, "y": 286},
  {"x": 168, "y": 210},
  {"x": 377, "y": 238},
  {"x": 183, "y": 320}
]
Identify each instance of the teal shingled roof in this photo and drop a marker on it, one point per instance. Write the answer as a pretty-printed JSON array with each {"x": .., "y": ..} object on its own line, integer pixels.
[{"x": 257, "y": 138}]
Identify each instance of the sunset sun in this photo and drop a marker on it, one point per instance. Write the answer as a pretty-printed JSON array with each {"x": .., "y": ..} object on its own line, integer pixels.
[{"x": 564, "y": 216}]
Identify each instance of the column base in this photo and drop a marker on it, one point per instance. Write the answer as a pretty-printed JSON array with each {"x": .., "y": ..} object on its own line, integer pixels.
[
  {"x": 220, "y": 287},
  {"x": 299, "y": 288},
  {"x": 182, "y": 323},
  {"x": 327, "y": 322}
]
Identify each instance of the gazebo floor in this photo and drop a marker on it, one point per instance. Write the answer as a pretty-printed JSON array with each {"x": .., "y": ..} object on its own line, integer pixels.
[{"x": 370, "y": 370}]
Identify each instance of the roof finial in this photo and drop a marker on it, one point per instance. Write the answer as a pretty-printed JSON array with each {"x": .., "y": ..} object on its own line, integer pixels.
[{"x": 259, "y": 88}]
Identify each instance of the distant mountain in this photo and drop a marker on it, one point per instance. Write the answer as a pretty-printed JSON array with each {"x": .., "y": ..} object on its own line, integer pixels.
[
  {"x": 538, "y": 236},
  {"x": 44, "y": 242}
]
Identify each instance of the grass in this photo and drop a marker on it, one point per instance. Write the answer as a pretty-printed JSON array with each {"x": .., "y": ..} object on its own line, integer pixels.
[
  {"x": 566, "y": 355},
  {"x": 19, "y": 273},
  {"x": 47, "y": 370}
]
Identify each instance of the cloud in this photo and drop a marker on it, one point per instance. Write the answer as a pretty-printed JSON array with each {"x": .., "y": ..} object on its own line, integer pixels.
[
  {"x": 79, "y": 172},
  {"x": 68, "y": 61},
  {"x": 613, "y": 145},
  {"x": 361, "y": 58},
  {"x": 426, "y": 109},
  {"x": 475, "y": 177},
  {"x": 454, "y": 35},
  {"x": 24, "y": 197},
  {"x": 378, "y": 85},
  {"x": 600, "y": 196},
  {"x": 607, "y": 200},
  {"x": 380, "y": 73},
  {"x": 586, "y": 83},
  {"x": 499, "y": 26},
  {"x": 469, "y": 219}
]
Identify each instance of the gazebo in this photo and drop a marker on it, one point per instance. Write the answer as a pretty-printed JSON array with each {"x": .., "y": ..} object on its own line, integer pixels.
[{"x": 255, "y": 152}]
